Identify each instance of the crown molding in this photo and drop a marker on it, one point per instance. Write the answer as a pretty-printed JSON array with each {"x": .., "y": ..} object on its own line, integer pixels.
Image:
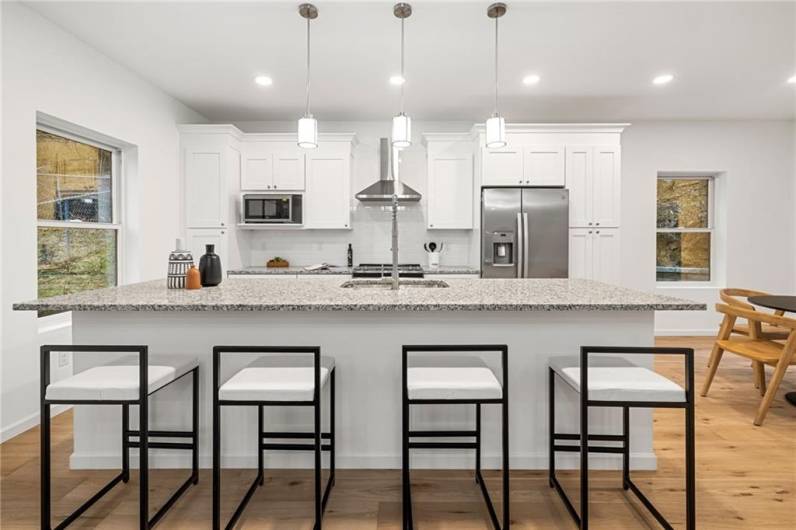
[{"x": 616, "y": 128}]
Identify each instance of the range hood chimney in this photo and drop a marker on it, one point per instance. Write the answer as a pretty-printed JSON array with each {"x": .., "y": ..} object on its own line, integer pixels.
[{"x": 389, "y": 182}]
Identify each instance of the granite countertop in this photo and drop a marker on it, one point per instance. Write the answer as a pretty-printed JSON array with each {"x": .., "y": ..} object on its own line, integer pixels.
[
  {"x": 442, "y": 269},
  {"x": 326, "y": 294}
]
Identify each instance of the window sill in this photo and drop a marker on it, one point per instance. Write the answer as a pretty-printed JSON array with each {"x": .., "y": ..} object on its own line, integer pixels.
[{"x": 687, "y": 286}]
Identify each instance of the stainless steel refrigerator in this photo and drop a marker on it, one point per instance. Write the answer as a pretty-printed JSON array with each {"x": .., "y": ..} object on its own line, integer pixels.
[{"x": 524, "y": 233}]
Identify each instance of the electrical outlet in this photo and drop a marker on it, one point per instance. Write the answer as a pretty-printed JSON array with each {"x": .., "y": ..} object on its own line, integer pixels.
[{"x": 63, "y": 359}]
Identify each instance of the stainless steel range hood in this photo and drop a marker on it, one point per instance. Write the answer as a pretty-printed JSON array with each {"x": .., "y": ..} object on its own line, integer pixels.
[{"x": 389, "y": 182}]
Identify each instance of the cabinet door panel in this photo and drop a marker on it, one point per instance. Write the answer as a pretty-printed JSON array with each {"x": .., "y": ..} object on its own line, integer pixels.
[
  {"x": 327, "y": 203},
  {"x": 543, "y": 165},
  {"x": 205, "y": 196},
  {"x": 580, "y": 253},
  {"x": 257, "y": 173},
  {"x": 578, "y": 181},
  {"x": 606, "y": 186},
  {"x": 606, "y": 257},
  {"x": 198, "y": 238},
  {"x": 450, "y": 192},
  {"x": 289, "y": 168},
  {"x": 502, "y": 167}
]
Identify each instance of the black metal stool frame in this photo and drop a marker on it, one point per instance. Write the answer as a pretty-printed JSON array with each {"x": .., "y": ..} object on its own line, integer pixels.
[
  {"x": 317, "y": 435},
  {"x": 584, "y": 448},
  {"x": 143, "y": 434},
  {"x": 407, "y": 434}
]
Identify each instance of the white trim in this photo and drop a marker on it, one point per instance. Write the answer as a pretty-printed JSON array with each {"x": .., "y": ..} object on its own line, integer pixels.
[
  {"x": 420, "y": 460},
  {"x": 686, "y": 332},
  {"x": 27, "y": 423}
]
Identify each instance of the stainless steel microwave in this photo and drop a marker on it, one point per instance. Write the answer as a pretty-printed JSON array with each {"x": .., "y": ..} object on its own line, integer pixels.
[{"x": 266, "y": 208}]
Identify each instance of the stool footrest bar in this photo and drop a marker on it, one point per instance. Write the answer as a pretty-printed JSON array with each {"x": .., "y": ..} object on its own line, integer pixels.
[
  {"x": 187, "y": 446},
  {"x": 162, "y": 434},
  {"x": 294, "y": 447},
  {"x": 596, "y": 437},
  {"x": 592, "y": 449},
  {"x": 441, "y": 434},
  {"x": 294, "y": 435},
  {"x": 443, "y": 445}
]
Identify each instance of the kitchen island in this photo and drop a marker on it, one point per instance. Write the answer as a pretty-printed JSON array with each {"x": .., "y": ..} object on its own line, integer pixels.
[{"x": 363, "y": 328}]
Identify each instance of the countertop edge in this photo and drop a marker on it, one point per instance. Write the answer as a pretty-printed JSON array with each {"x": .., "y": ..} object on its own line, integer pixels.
[{"x": 225, "y": 308}]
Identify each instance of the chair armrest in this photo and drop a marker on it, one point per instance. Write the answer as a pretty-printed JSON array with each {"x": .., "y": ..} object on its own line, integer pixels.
[{"x": 757, "y": 316}]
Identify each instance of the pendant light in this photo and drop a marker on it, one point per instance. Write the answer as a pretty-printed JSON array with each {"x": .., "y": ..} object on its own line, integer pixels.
[
  {"x": 308, "y": 125},
  {"x": 496, "y": 125},
  {"x": 401, "y": 123}
]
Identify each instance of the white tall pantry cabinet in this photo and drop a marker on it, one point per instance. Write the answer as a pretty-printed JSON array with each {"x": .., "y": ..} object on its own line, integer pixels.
[{"x": 583, "y": 158}]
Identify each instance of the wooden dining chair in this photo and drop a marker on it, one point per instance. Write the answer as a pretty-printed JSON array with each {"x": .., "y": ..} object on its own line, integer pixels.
[
  {"x": 764, "y": 351},
  {"x": 736, "y": 297}
]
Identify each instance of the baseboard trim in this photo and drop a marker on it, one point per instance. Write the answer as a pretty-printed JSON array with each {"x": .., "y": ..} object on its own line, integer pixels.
[
  {"x": 703, "y": 332},
  {"x": 638, "y": 461},
  {"x": 25, "y": 424}
]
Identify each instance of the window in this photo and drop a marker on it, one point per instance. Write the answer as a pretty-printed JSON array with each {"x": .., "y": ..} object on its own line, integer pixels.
[
  {"x": 684, "y": 246},
  {"x": 78, "y": 229}
]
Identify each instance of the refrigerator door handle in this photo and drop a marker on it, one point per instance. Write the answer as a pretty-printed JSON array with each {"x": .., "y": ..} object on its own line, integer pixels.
[
  {"x": 526, "y": 246},
  {"x": 520, "y": 247}
]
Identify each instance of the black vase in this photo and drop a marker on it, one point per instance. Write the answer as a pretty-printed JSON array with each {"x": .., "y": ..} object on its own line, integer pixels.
[{"x": 210, "y": 267}]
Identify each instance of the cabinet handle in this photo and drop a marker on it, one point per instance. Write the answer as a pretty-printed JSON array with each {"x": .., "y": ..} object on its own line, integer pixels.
[
  {"x": 598, "y": 231},
  {"x": 598, "y": 224},
  {"x": 222, "y": 224},
  {"x": 589, "y": 224},
  {"x": 519, "y": 182},
  {"x": 222, "y": 232},
  {"x": 590, "y": 231}
]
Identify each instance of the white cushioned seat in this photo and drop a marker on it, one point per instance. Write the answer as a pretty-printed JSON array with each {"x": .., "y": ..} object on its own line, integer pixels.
[
  {"x": 276, "y": 378},
  {"x": 451, "y": 377},
  {"x": 118, "y": 381},
  {"x": 612, "y": 378}
]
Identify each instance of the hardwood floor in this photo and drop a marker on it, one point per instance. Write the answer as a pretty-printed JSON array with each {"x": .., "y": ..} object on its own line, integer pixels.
[{"x": 746, "y": 478}]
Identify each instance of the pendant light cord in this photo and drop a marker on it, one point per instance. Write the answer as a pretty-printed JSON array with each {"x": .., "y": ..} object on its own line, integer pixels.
[
  {"x": 496, "y": 65},
  {"x": 403, "y": 79},
  {"x": 307, "y": 109}
]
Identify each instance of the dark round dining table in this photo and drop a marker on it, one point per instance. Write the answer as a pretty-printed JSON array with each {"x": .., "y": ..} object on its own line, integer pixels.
[{"x": 781, "y": 303}]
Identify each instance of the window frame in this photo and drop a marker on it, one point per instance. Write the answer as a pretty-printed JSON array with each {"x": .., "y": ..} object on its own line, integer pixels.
[
  {"x": 116, "y": 224},
  {"x": 710, "y": 229}
]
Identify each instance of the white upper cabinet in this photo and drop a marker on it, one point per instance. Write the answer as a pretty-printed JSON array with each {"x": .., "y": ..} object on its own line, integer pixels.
[
  {"x": 578, "y": 180},
  {"x": 289, "y": 161},
  {"x": 272, "y": 166},
  {"x": 257, "y": 171},
  {"x": 210, "y": 162},
  {"x": 543, "y": 165},
  {"x": 502, "y": 167},
  {"x": 607, "y": 187},
  {"x": 451, "y": 187},
  {"x": 327, "y": 202},
  {"x": 593, "y": 179}
]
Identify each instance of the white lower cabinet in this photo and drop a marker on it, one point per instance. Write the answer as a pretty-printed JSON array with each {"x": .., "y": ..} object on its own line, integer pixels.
[
  {"x": 594, "y": 254},
  {"x": 198, "y": 238}
]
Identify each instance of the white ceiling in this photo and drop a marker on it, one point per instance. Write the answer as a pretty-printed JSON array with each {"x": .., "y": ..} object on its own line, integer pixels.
[{"x": 596, "y": 59}]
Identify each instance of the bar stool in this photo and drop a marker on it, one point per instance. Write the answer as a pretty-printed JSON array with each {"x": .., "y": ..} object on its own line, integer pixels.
[
  {"x": 275, "y": 381},
  {"x": 616, "y": 382},
  {"x": 126, "y": 381},
  {"x": 447, "y": 380}
]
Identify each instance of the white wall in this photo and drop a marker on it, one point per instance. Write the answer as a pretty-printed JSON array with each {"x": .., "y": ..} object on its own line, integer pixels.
[
  {"x": 370, "y": 233},
  {"x": 47, "y": 70},
  {"x": 757, "y": 197}
]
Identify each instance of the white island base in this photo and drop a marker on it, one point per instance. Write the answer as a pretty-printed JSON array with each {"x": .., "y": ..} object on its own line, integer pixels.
[{"x": 367, "y": 349}]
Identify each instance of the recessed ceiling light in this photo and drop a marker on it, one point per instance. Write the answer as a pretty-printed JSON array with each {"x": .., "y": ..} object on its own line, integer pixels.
[
  {"x": 792, "y": 80},
  {"x": 263, "y": 80},
  {"x": 397, "y": 80},
  {"x": 531, "y": 79},
  {"x": 663, "y": 79}
]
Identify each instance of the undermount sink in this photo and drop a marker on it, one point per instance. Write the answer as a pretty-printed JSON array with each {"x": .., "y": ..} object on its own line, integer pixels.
[{"x": 386, "y": 283}]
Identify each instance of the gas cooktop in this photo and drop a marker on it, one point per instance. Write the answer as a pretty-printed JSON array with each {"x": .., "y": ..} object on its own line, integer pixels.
[{"x": 384, "y": 270}]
